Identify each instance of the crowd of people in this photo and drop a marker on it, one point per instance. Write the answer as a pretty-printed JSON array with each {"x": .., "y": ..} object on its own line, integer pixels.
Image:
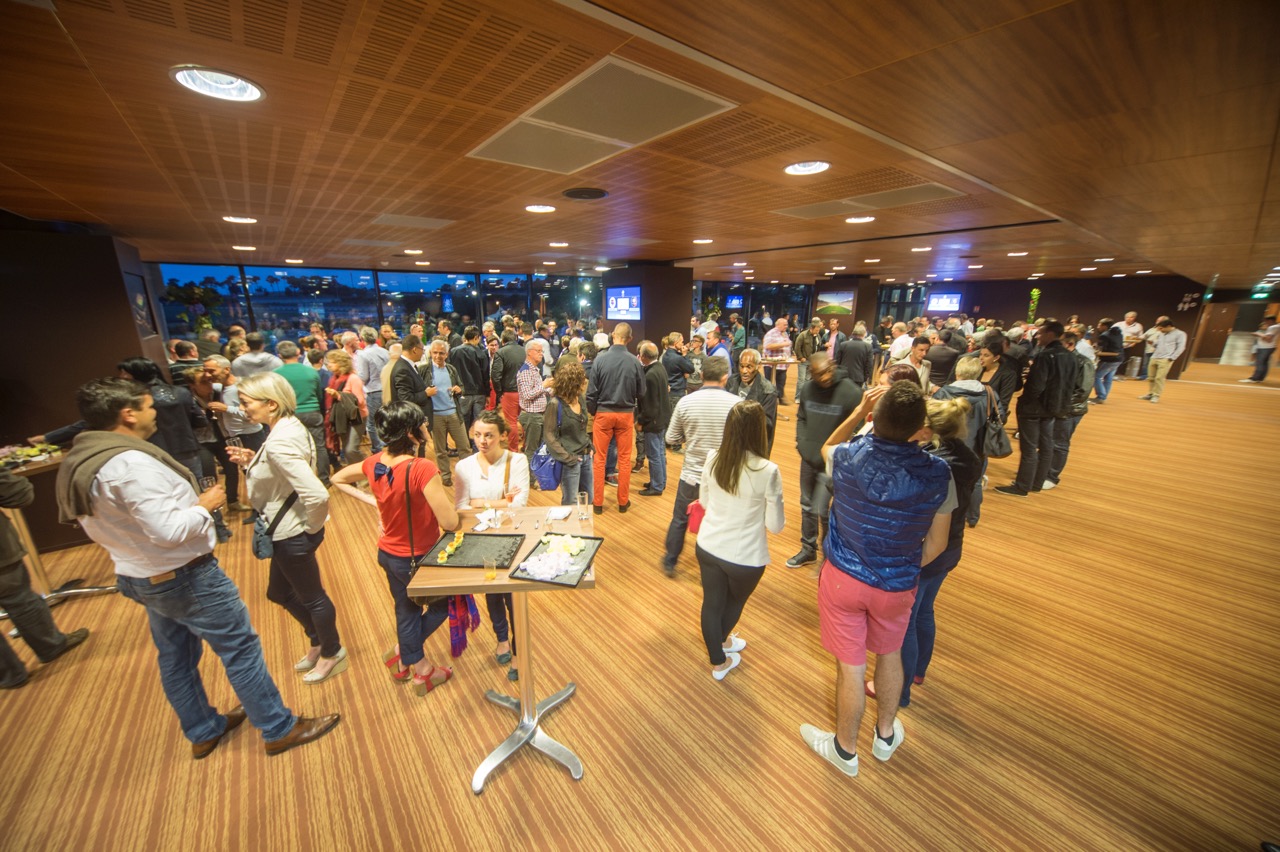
[{"x": 894, "y": 430}]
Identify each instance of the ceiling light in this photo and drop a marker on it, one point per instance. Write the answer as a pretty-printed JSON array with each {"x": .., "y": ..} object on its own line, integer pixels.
[
  {"x": 948, "y": 279},
  {"x": 812, "y": 167},
  {"x": 932, "y": 275},
  {"x": 1144, "y": 272},
  {"x": 774, "y": 281},
  {"x": 558, "y": 245},
  {"x": 540, "y": 208},
  {"x": 602, "y": 269},
  {"x": 860, "y": 220},
  {"x": 1102, "y": 259},
  {"x": 828, "y": 273},
  {"x": 474, "y": 293},
  {"x": 494, "y": 271},
  {"x": 923, "y": 248},
  {"x": 422, "y": 263},
  {"x": 872, "y": 260},
  {"x": 890, "y": 279},
  {"x": 740, "y": 263},
  {"x": 215, "y": 84},
  {"x": 1118, "y": 275},
  {"x": 704, "y": 241},
  {"x": 838, "y": 268},
  {"x": 1017, "y": 254},
  {"x": 748, "y": 278},
  {"x": 975, "y": 266},
  {"x": 413, "y": 251},
  {"x": 548, "y": 263},
  {"x": 1088, "y": 269},
  {"x": 245, "y": 248},
  {"x": 748, "y": 270},
  {"x": 293, "y": 260},
  {"x": 240, "y": 220}
]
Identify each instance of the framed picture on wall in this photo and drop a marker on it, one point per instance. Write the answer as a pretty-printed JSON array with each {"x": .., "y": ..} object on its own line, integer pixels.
[
  {"x": 838, "y": 303},
  {"x": 139, "y": 303}
]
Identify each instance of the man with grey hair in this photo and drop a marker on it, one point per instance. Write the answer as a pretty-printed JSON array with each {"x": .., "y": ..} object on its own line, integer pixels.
[
  {"x": 856, "y": 357},
  {"x": 653, "y": 415},
  {"x": 208, "y": 343},
  {"x": 444, "y": 387},
  {"x": 232, "y": 419},
  {"x": 901, "y": 346},
  {"x": 369, "y": 362},
  {"x": 748, "y": 383},
  {"x": 257, "y": 359},
  {"x": 532, "y": 391}
]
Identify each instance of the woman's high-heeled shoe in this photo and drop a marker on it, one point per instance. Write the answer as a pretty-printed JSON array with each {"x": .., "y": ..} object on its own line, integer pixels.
[
  {"x": 392, "y": 661},
  {"x": 438, "y": 676},
  {"x": 313, "y": 677},
  {"x": 306, "y": 664}
]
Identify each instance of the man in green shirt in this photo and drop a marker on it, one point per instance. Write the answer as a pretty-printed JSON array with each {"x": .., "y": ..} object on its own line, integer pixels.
[{"x": 305, "y": 382}]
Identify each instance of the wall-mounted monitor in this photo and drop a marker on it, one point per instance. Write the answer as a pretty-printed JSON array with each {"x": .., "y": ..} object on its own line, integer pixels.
[
  {"x": 733, "y": 303},
  {"x": 943, "y": 303},
  {"x": 447, "y": 303},
  {"x": 622, "y": 303}
]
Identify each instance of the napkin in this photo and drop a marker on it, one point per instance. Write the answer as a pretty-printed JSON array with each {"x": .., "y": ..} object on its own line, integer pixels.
[{"x": 559, "y": 513}]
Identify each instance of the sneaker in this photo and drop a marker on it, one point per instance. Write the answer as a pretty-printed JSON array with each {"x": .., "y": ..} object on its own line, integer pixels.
[
  {"x": 1145, "y": 396},
  {"x": 1155, "y": 399},
  {"x": 611, "y": 480},
  {"x": 804, "y": 557},
  {"x": 1096, "y": 402},
  {"x": 734, "y": 659},
  {"x": 649, "y": 492},
  {"x": 1049, "y": 484},
  {"x": 1011, "y": 490},
  {"x": 736, "y": 644},
  {"x": 882, "y": 750},
  {"x": 1248, "y": 381},
  {"x": 824, "y": 744}
]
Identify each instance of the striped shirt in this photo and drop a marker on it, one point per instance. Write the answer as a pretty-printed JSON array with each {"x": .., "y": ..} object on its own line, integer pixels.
[{"x": 698, "y": 423}]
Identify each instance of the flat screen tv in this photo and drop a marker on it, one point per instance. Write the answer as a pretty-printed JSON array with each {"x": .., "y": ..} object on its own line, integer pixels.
[
  {"x": 622, "y": 303},
  {"x": 943, "y": 302},
  {"x": 447, "y": 303},
  {"x": 733, "y": 303}
]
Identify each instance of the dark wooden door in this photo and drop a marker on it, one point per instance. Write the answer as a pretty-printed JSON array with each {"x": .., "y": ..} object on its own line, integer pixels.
[{"x": 1215, "y": 328}]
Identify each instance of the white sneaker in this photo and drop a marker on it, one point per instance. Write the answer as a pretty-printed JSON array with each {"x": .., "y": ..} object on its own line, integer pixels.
[
  {"x": 719, "y": 674},
  {"x": 736, "y": 644},
  {"x": 1145, "y": 396},
  {"x": 1049, "y": 485},
  {"x": 1246, "y": 381},
  {"x": 824, "y": 744},
  {"x": 1155, "y": 399},
  {"x": 884, "y": 751}
]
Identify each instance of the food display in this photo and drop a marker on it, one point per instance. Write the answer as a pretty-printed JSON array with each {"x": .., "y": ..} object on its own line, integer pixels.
[
  {"x": 559, "y": 559},
  {"x": 459, "y": 550},
  {"x": 16, "y": 455},
  {"x": 450, "y": 548}
]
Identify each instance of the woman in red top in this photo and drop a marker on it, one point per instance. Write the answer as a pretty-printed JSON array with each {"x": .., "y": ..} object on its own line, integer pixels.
[{"x": 390, "y": 473}]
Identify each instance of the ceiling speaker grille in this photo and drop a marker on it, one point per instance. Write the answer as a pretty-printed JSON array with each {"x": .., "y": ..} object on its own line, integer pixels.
[
  {"x": 151, "y": 11},
  {"x": 735, "y": 138},
  {"x": 210, "y": 18},
  {"x": 267, "y": 32},
  {"x": 950, "y": 205},
  {"x": 319, "y": 24},
  {"x": 863, "y": 183}
]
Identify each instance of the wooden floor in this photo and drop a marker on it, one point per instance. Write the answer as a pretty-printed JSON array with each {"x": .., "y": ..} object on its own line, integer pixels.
[{"x": 1107, "y": 677}]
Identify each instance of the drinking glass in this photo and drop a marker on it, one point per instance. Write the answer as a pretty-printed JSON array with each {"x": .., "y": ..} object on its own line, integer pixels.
[
  {"x": 490, "y": 570},
  {"x": 207, "y": 482},
  {"x": 582, "y": 505}
]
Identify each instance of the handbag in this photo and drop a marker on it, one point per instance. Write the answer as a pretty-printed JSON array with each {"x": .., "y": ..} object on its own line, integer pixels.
[
  {"x": 995, "y": 441},
  {"x": 546, "y": 468},
  {"x": 262, "y": 532},
  {"x": 696, "y": 512}
]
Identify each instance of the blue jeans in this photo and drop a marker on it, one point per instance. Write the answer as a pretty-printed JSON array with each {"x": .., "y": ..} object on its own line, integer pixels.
[
  {"x": 1103, "y": 378},
  {"x": 1262, "y": 363},
  {"x": 922, "y": 630},
  {"x": 202, "y": 604},
  {"x": 975, "y": 502},
  {"x": 1146, "y": 360},
  {"x": 413, "y": 624},
  {"x": 501, "y": 615},
  {"x": 373, "y": 398},
  {"x": 576, "y": 477},
  {"x": 686, "y": 493},
  {"x": 655, "y": 450}
]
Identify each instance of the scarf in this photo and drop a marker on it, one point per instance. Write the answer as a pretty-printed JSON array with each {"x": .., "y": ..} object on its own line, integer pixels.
[
  {"x": 90, "y": 451},
  {"x": 463, "y": 616}
]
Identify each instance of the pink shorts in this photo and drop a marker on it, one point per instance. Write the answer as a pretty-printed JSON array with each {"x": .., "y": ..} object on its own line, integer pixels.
[{"x": 855, "y": 618}]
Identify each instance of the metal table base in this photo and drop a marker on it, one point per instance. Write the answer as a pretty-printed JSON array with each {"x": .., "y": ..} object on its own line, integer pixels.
[{"x": 528, "y": 731}]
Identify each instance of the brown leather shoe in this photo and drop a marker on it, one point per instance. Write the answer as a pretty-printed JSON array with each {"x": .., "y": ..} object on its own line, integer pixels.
[
  {"x": 235, "y": 716},
  {"x": 305, "y": 730}
]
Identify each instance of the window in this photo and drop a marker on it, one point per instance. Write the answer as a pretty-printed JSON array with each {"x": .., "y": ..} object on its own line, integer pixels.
[
  {"x": 901, "y": 302},
  {"x": 419, "y": 297},
  {"x": 566, "y": 298},
  {"x": 504, "y": 294},
  {"x": 199, "y": 297},
  {"x": 286, "y": 301}
]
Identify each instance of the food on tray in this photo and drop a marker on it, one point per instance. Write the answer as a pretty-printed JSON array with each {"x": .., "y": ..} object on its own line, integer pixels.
[
  {"x": 443, "y": 557},
  {"x": 547, "y": 565},
  {"x": 569, "y": 545}
]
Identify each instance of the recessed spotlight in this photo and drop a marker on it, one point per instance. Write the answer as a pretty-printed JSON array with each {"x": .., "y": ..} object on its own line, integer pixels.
[
  {"x": 748, "y": 278},
  {"x": 558, "y": 245},
  {"x": 240, "y": 220},
  {"x": 494, "y": 271},
  {"x": 215, "y": 83},
  {"x": 704, "y": 241},
  {"x": 1118, "y": 275},
  {"x": 1088, "y": 269},
  {"x": 923, "y": 248},
  {"x": 1144, "y": 272},
  {"x": 474, "y": 293},
  {"x": 890, "y": 280},
  {"x": 748, "y": 270},
  {"x": 422, "y": 263},
  {"x": 872, "y": 260},
  {"x": 860, "y": 220},
  {"x": 1032, "y": 278},
  {"x": 839, "y": 268},
  {"x": 828, "y": 273},
  {"x": 548, "y": 263},
  {"x": 245, "y": 248},
  {"x": 812, "y": 167},
  {"x": 932, "y": 275},
  {"x": 975, "y": 266},
  {"x": 413, "y": 251},
  {"x": 1017, "y": 254},
  {"x": 948, "y": 279},
  {"x": 602, "y": 269},
  {"x": 293, "y": 260},
  {"x": 540, "y": 208},
  {"x": 740, "y": 263},
  {"x": 1102, "y": 259}
]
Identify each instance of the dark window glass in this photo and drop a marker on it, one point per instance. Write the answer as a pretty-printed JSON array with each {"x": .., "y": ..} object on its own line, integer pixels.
[
  {"x": 504, "y": 294},
  {"x": 566, "y": 299},
  {"x": 287, "y": 300},
  {"x": 423, "y": 297},
  {"x": 198, "y": 297}
]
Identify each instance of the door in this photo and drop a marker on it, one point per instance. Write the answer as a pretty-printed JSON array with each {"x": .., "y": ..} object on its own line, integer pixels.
[{"x": 1215, "y": 328}]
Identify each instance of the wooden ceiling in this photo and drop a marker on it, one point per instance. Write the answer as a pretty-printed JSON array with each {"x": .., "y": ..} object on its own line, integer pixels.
[{"x": 1138, "y": 130}]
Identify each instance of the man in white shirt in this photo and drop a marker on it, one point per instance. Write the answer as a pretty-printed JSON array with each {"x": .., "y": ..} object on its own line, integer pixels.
[
  {"x": 1132, "y": 331},
  {"x": 698, "y": 421},
  {"x": 1268, "y": 335},
  {"x": 369, "y": 362},
  {"x": 142, "y": 506},
  {"x": 901, "y": 346},
  {"x": 1170, "y": 344}
]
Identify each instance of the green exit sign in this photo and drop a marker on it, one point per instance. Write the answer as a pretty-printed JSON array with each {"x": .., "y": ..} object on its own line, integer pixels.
[{"x": 1262, "y": 295}]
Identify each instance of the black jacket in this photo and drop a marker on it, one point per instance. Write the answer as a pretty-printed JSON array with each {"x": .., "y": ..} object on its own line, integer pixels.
[
  {"x": 616, "y": 382},
  {"x": 407, "y": 384},
  {"x": 505, "y": 366},
  {"x": 1050, "y": 384},
  {"x": 655, "y": 406},
  {"x": 763, "y": 392},
  {"x": 855, "y": 357},
  {"x": 819, "y": 411},
  {"x": 966, "y": 468},
  {"x": 942, "y": 363},
  {"x": 472, "y": 364}
]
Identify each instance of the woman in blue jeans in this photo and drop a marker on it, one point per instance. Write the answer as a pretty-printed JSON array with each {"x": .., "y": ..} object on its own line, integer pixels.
[
  {"x": 564, "y": 427},
  {"x": 412, "y": 507},
  {"x": 947, "y": 419}
]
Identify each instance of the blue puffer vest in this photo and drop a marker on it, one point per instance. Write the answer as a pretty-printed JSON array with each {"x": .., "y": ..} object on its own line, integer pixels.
[{"x": 886, "y": 495}]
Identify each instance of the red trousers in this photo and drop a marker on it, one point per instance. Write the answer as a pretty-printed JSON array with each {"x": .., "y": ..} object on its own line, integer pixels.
[
  {"x": 511, "y": 413},
  {"x": 610, "y": 424}
]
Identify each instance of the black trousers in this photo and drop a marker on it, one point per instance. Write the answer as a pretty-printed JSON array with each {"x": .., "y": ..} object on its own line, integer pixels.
[
  {"x": 1035, "y": 445},
  {"x": 725, "y": 589},
  {"x": 294, "y": 583}
]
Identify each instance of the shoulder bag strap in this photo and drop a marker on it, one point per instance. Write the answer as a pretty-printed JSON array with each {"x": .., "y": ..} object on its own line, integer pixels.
[
  {"x": 408, "y": 509},
  {"x": 284, "y": 510},
  {"x": 506, "y": 475},
  {"x": 992, "y": 408}
]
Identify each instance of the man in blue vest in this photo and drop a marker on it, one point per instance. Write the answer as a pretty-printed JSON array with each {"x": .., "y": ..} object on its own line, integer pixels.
[{"x": 891, "y": 513}]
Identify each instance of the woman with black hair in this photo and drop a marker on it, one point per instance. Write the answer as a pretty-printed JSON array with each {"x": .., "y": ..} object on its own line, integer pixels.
[
  {"x": 412, "y": 506},
  {"x": 742, "y": 496}
]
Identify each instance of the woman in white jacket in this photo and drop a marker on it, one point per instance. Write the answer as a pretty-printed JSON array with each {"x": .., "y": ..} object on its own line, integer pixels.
[
  {"x": 742, "y": 495},
  {"x": 284, "y": 465}
]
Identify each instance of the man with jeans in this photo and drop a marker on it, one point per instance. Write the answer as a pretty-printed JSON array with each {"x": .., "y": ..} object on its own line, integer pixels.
[
  {"x": 531, "y": 389},
  {"x": 1170, "y": 344},
  {"x": 1064, "y": 429},
  {"x": 444, "y": 387},
  {"x": 142, "y": 506},
  {"x": 1109, "y": 345},
  {"x": 305, "y": 382},
  {"x": 698, "y": 421},
  {"x": 655, "y": 414},
  {"x": 1267, "y": 336},
  {"x": 1046, "y": 398},
  {"x": 616, "y": 385},
  {"x": 678, "y": 368},
  {"x": 369, "y": 363},
  {"x": 891, "y": 514}
]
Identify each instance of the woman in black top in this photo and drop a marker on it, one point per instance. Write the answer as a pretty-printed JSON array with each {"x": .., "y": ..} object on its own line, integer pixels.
[
  {"x": 999, "y": 372},
  {"x": 564, "y": 428}
]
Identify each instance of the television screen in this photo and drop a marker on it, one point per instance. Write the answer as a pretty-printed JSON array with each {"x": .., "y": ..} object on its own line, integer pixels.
[
  {"x": 733, "y": 303},
  {"x": 622, "y": 303},
  {"x": 948, "y": 302},
  {"x": 447, "y": 303}
]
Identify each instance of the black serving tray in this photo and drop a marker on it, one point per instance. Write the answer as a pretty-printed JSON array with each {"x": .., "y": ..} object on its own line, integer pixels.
[
  {"x": 475, "y": 549},
  {"x": 581, "y": 562}
]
